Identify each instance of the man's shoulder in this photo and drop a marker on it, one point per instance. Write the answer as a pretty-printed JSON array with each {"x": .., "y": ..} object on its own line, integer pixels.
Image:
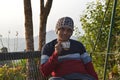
[
  {"x": 48, "y": 48},
  {"x": 51, "y": 43},
  {"x": 75, "y": 41},
  {"x": 77, "y": 45}
]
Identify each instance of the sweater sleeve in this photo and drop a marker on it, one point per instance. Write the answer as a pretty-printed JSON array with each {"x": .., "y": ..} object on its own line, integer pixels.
[
  {"x": 47, "y": 67},
  {"x": 88, "y": 65},
  {"x": 90, "y": 69}
]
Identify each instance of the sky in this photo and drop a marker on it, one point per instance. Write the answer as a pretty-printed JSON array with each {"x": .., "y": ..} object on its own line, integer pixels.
[{"x": 12, "y": 15}]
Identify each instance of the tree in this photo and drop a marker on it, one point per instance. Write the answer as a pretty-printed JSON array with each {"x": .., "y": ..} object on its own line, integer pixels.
[
  {"x": 29, "y": 39},
  {"x": 95, "y": 29},
  {"x": 91, "y": 22},
  {"x": 28, "y": 26},
  {"x": 44, "y": 12}
]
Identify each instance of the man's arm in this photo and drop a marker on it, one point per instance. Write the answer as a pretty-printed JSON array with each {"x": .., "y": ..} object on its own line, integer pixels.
[
  {"x": 88, "y": 65},
  {"x": 48, "y": 65},
  {"x": 90, "y": 69}
]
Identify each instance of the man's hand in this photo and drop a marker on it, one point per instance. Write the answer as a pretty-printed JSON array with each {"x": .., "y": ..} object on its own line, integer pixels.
[{"x": 58, "y": 47}]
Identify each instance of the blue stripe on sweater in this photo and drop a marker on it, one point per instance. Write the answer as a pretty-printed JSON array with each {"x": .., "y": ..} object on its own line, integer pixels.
[
  {"x": 85, "y": 58},
  {"x": 75, "y": 56},
  {"x": 44, "y": 58}
]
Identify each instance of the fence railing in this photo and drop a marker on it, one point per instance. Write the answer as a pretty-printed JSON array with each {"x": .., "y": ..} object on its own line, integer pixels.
[
  {"x": 19, "y": 55},
  {"x": 13, "y": 65}
]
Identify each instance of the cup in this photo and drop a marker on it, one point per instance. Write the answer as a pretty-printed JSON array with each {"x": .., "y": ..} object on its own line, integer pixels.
[{"x": 65, "y": 45}]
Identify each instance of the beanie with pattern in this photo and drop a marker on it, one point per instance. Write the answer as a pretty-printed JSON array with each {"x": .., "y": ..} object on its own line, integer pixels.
[{"x": 65, "y": 22}]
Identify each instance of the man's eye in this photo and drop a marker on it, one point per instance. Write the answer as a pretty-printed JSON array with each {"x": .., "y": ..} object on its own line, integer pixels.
[
  {"x": 62, "y": 29},
  {"x": 69, "y": 30}
]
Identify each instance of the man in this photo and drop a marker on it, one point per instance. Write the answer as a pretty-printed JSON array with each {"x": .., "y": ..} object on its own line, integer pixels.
[{"x": 64, "y": 58}]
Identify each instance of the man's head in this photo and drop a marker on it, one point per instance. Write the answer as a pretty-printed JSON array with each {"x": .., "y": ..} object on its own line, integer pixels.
[
  {"x": 64, "y": 28},
  {"x": 65, "y": 22}
]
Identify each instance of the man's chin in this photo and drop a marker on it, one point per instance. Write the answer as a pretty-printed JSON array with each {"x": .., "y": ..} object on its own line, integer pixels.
[{"x": 63, "y": 40}]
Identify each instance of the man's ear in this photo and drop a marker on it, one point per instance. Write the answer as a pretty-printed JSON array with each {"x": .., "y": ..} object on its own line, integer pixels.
[
  {"x": 72, "y": 33},
  {"x": 56, "y": 31}
]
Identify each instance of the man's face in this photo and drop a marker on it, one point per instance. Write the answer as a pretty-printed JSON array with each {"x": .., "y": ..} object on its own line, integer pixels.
[{"x": 64, "y": 34}]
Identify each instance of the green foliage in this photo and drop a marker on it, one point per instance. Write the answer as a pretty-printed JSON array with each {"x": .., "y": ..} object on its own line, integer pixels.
[
  {"x": 8, "y": 73},
  {"x": 91, "y": 23},
  {"x": 96, "y": 28},
  {"x": 76, "y": 32}
]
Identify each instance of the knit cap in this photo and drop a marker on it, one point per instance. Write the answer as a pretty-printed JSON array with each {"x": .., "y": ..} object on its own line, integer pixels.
[{"x": 65, "y": 22}]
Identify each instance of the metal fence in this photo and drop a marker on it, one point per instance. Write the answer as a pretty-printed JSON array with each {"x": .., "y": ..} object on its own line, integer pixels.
[{"x": 14, "y": 66}]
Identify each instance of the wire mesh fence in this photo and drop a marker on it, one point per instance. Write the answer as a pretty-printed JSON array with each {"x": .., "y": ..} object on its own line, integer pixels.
[{"x": 20, "y": 66}]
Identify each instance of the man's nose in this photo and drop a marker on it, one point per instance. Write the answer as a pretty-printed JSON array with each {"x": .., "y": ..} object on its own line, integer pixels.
[{"x": 64, "y": 32}]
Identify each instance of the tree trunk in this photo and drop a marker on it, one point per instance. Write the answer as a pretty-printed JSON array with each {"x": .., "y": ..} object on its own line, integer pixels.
[
  {"x": 31, "y": 66},
  {"x": 44, "y": 12},
  {"x": 28, "y": 25}
]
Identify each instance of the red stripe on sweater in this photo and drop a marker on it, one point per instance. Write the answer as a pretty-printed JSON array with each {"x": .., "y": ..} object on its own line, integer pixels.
[
  {"x": 69, "y": 66},
  {"x": 90, "y": 69},
  {"x": 50, "y": 65},
  {"x": 66, "y": 67}
]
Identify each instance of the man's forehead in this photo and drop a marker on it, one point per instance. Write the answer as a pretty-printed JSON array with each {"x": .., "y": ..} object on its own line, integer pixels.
[{"x": 65, "y": 27}]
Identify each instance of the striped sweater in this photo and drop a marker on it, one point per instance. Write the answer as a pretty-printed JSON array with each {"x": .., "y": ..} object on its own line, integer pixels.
[{"x": 74, "y": 60}]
